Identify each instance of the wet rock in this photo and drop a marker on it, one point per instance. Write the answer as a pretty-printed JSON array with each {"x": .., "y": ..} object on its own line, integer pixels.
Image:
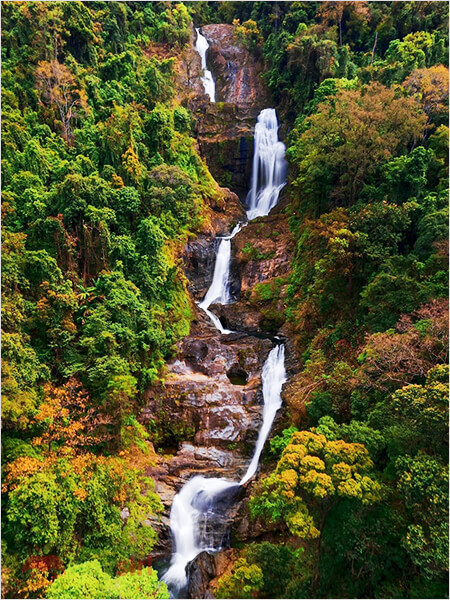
[
  {"x": 208, "y": 402},
  {"x": 240, "y": 316},
  {"x": 226, "y": 424},
  {"x": 196, "y": 350},
  {"x": 221, "y": 458},
  {"x": 200, "y": 572}
]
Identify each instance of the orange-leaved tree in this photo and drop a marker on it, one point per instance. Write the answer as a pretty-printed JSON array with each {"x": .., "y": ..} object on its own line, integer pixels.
[{"x": 58, "y": 88}]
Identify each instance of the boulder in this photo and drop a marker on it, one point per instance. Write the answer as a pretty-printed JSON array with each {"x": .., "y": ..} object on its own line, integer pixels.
[{"x": 200, "y": 572}]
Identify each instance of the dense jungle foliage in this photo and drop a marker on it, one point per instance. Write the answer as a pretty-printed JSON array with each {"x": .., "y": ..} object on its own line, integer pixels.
[{"x": 103, "y": 185}]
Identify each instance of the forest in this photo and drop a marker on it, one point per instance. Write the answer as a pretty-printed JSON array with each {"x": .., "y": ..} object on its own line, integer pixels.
[{"x": 104, "y": 186}]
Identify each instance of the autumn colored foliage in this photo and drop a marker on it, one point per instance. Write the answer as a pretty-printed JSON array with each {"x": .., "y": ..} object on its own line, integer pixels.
[{"x": 103, "y": 185}]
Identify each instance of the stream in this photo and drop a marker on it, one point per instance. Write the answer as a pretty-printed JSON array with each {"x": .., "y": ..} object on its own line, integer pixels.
[{"x": 203, "y": 500}]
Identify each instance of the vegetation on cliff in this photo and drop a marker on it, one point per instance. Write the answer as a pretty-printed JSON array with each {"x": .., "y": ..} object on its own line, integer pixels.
[{"x": 103, "y": 185}]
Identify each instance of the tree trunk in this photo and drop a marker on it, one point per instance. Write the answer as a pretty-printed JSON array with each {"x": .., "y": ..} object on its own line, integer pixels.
[{"x": 374, "y": 46}]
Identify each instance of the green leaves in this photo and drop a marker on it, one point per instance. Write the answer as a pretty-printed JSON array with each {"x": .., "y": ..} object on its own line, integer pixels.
[
  {"x": 87, "y": 580},
  {"x": 423, "y": 483},
  {"x": 243, "y": 582},
  {"x": 53, "y": 500}
]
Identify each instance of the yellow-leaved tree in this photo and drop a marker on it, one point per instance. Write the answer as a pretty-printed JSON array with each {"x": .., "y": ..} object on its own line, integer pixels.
[{"x": 311, "y": 477}]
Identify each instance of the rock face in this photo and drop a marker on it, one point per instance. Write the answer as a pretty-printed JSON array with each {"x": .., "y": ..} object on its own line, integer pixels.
[
  {"x": 237, "y": 72},
  {"x": 200, "y": 572},
  {"x": 225, "y": 137},
  {"x": 213, "y": 421},
  {"x": 264, "y": 248},
  {"x": 199, "y": 394},
  {"x": 225, "y": 128},
  {"x": 205, "y": 570}
]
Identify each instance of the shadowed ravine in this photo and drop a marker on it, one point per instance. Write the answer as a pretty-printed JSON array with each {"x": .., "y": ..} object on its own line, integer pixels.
[{"x": 198, "y": 516}]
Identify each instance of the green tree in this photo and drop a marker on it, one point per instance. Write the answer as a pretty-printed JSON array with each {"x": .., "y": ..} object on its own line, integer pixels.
[
  {"x": 345, "y": 141},
  {"x": 87, "y": 580},
  {"x": 243, "y": 582}
]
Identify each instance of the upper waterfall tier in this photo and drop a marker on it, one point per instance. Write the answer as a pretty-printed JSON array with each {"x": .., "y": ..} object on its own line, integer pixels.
[
  {"x": 202, "y": 46},
  {"x": 236, "y": 69},
  {"x": 269, "y": 166}
]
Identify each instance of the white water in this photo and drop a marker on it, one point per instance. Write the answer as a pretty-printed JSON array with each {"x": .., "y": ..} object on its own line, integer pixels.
[
  {"x": 201, "y": 45},
  {"x": 268, "y": 178},
  {"x": 273, "y": 377},
  {"x": 219, "y": 290},
  {"x": 197, "y": 496},
  {"x": 194, "y": 498},
  {"x": 269, "y": 166}
]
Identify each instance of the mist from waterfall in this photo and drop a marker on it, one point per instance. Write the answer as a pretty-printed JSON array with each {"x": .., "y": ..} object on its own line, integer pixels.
[
  {"x": 269, "y": 166},
  {"x": 201, "y": 45},
  {"x": 198, "y": 497}
]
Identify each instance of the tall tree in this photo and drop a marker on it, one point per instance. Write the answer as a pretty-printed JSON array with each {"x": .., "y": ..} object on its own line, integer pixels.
[{"x": 58, "y": 88}]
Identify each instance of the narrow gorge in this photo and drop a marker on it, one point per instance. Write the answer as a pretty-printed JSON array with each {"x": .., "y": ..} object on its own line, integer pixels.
[{"x": 226, "y": 382}]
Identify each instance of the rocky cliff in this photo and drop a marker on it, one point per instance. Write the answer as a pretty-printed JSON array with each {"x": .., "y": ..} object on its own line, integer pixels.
[{"x": 225, "y": 128}]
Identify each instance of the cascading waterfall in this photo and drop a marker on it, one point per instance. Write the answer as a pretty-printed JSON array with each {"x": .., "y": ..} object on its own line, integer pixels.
[
  {"x": 199, "y": 495},
  {"x": 219, "y": 290},
  {"x": 269, "y": 166},
  {"x": 273, "y": 377},
  {"x": 268, "y": 178},
  {"x": 201, "y": 45},
  {"x": 194, "y": 498},
  {"x": 197, "y": 500}
]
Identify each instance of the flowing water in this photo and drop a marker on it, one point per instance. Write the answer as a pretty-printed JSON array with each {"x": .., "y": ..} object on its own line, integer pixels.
[
  {"x": 202, "y": 501},
  {"x": 201, "y": 45},
  {"x": 194, "y": 499},
  {"x": 269, "y": 166},
  {"x": 219, "y": 290},
  {"x": 268, "y": 179},
  {"x": 273, "y": 377},
  {"x": 198, "y": 499}
]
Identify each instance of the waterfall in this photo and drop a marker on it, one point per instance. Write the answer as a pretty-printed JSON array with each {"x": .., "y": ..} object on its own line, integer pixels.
[
  {"x": 194, "y": 498},
  {"x": 219, "y": 290},
  {"x": 201, "y": 45},
  {"x": 199, "y": 495},
  {"x": 200, "y": 500},
  {"x": 269, "y": 166},
  {"x": 268, "y": 178},
  {"x": 273, "y": 377}
]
